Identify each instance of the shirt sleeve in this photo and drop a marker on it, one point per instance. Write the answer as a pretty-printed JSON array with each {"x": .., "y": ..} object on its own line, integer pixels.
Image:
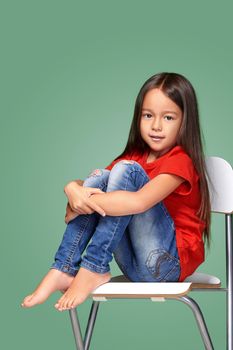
[{"x": 181, "y": 165}]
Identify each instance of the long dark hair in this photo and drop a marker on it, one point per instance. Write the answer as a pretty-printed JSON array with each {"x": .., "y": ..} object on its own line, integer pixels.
[{"x": 180, "y": 91}]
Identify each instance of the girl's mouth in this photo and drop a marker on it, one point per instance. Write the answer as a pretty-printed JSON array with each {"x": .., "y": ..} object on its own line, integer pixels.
[{"x": 157, "y": 138}]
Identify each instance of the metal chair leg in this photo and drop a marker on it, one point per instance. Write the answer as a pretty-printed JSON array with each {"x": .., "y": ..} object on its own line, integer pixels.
[
  {"x": 84, "y": 345},
  {"x": 80, "y": 344},
  {"x": 76, "y": 329},
  {"x": 229, "y": 281},
  {"x": 200, "y": 320},
  {"x": 91, "y": 324}
]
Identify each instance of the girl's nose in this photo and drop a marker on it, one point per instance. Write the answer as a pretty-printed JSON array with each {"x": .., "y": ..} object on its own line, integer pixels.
[{"x": 157, "y": 125}]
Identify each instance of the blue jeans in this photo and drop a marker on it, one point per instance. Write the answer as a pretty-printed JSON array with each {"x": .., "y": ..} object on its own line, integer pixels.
[{"x": 143, "y": 245}]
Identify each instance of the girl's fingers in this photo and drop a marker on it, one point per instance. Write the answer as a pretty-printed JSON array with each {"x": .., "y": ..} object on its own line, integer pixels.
[
  {"x": 78, "y": 211},
  {"x": 94, "y": 190},
  {"x": 91, "y": 207},
  {"x": 96, "y": 208}
]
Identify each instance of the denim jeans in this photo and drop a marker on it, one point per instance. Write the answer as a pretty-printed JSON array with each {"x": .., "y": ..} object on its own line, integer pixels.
[{"x": 143, "y": 245}]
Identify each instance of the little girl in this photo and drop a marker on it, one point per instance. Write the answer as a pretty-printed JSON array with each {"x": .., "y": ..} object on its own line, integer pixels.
[{"x": 149, "y": 208}]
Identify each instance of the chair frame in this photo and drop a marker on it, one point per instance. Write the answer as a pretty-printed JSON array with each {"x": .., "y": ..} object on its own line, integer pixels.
[{"x": 83, "y": 344}]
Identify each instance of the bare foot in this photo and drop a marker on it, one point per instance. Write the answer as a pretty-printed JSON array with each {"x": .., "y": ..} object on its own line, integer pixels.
[
  {"x": 83, "y": 284},
  {"x": 54, "y": 280}
]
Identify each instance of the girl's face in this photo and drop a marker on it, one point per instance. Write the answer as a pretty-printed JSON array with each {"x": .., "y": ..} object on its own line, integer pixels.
[{"x": 160, "y": 122}]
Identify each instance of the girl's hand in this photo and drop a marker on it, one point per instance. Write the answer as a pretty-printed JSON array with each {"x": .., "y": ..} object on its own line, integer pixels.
[
  {"x": 70, "y": 215},
  {"x": 78, "y": 197}
]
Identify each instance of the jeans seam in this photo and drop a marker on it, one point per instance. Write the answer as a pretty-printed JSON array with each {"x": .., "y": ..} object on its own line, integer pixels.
[
  {"x": 63, "y": 267},
  {"x": 176, "y": 266},
  {"x": 94, "y": 267},
  {"x": 68, "y": 260},
  {"x": 170, "y": 220}
]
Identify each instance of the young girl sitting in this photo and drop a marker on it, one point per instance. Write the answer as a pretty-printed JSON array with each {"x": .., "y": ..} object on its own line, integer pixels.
[{"x": 155, "y": 197}]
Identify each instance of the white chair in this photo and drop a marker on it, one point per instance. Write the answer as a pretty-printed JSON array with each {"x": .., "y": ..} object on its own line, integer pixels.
[{"x": 220, "y": 184}]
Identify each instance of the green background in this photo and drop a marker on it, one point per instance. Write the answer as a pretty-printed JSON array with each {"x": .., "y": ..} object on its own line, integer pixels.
[{"x": 70, "y": 74}]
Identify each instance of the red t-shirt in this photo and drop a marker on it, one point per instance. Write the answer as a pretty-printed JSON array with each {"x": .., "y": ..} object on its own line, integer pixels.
[{"x": 182, "y": 204}]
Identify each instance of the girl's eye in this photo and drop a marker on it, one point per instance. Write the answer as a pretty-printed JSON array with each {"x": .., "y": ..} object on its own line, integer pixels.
[
  {"x": 146, "y": 114},
  {"x": 168, "y": 117}
]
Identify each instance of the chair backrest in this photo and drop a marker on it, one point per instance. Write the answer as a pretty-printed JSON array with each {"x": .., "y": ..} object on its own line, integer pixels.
[{"x": 220, "y": 183}]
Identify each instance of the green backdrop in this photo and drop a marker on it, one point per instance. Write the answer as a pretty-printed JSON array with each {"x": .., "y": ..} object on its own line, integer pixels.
[{"x": 70, "y": 74}]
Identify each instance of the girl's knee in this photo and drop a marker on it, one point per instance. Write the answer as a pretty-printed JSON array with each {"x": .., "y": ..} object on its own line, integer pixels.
[
  {"x": 125, "y": 161},
  {"x": 128, "y": 175},
  {"x": 96, "y": 178},
  {"x": 126, "y": 167},
  {"x": 125, "y": 164}
]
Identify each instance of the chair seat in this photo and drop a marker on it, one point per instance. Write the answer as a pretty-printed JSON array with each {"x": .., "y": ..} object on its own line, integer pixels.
[
  {"x": 203, "y": 280},
  {"x": 121, "y": 287}
]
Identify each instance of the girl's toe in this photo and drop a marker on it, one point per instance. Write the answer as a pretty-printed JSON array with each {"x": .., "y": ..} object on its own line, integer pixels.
[
  {"x": 28, "y": 298},
  {"x": 70, "y": 303},
  {"x": 62, "y": 304},
  {"x": 62, "y": 298},
  {"x": 59, "y": 307},
  {"x": 60, "y": 301},
  {"x": 58, "y": 304},
  {"x": 63, "y": 307},
  {"x": 66, "y": 304}
]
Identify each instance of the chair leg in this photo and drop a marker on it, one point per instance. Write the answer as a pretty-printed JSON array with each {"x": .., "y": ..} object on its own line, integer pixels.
[
  {"x": 80, "y": 343},
  {"x": 229, "y": 281},
  {"x": 76, "y": 329},
  {"x": 91, "y": 324},
  {"x": 84, "y": 345},
  {"x": 200, "y": 320}
]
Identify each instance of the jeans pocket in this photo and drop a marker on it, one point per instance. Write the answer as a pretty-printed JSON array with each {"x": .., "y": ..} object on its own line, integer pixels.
[{"x": 163, "y": 266}]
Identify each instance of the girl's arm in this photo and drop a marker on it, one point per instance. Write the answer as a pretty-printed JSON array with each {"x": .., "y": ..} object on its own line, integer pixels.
[
  {"x": 158, "y": 188},
  {"x": 119, "y": 203}
]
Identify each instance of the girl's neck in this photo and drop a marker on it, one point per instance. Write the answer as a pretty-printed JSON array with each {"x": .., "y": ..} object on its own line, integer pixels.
[
  {"x": 153, "y": 156},
  {"x": 150, "y": 157}
]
